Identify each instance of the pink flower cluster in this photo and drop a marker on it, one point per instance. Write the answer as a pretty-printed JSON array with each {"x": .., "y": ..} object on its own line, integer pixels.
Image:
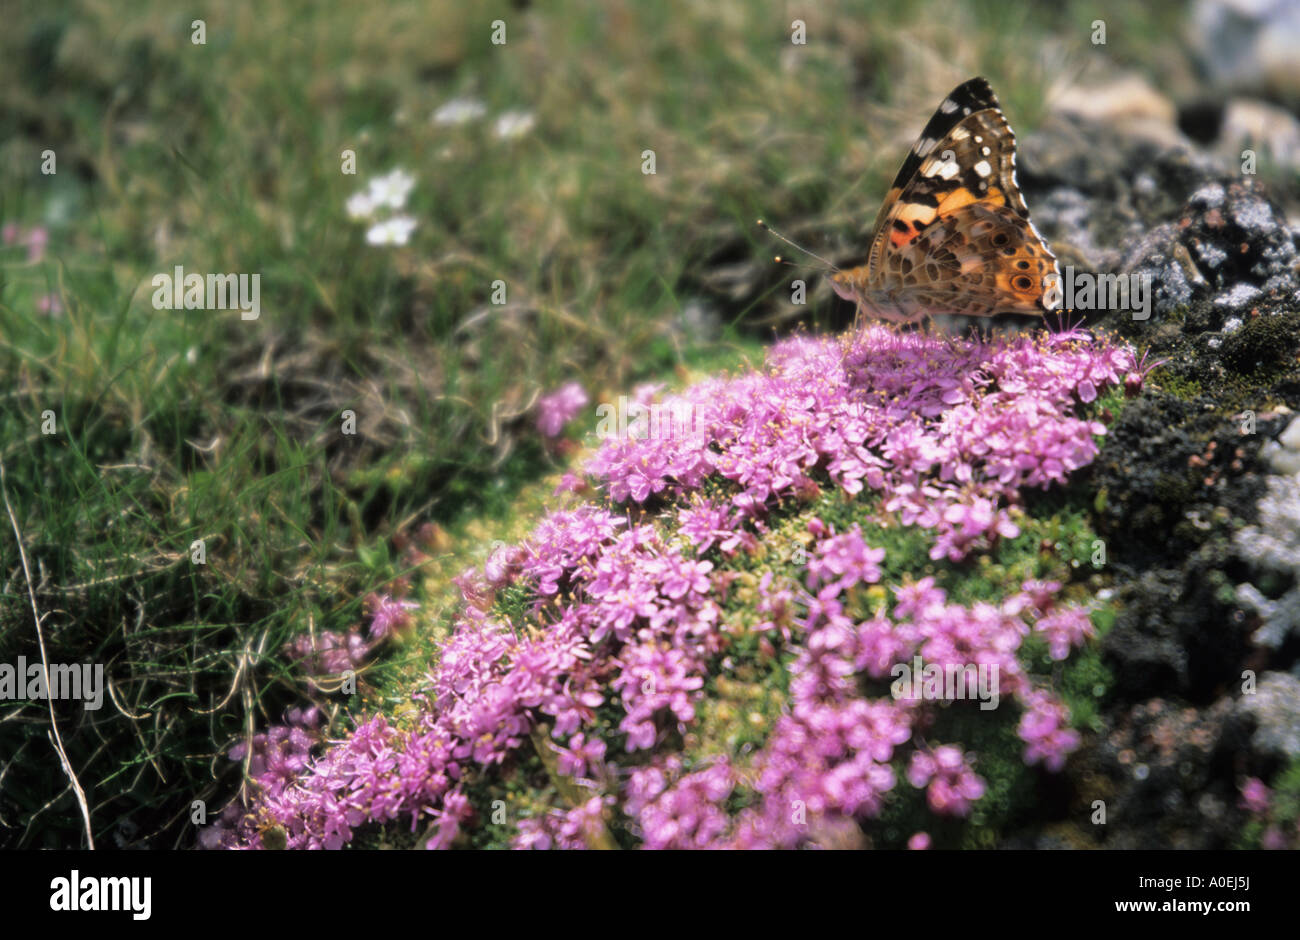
[
  {"x": 949, "y": 435},
  {"x": 841, "y": 561},
  {"x": 627, "y": 611},
  {"x": 577, "y": 828},
  {"x": 332, "y": 653},
  {"x": 1045, "y": 726},
  {"x": 689, "y": 814},
  {"x": 952, "y": 785},
  {"x": 830, "y": 758}
]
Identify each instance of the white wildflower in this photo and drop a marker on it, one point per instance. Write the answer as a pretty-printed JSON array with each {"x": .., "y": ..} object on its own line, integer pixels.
[
  {"x": 360, "y": 205},
  {"x": 392, "y": 190},
  {"x": 395, "y": 230},
  {"x": 513, "y": 124},
  {"x": 459, "y": 111}
]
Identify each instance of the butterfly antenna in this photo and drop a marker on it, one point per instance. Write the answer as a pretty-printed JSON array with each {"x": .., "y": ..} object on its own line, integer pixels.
[
  {"x": 767, "y": 228},
  {"x": 781, "y": 259}
]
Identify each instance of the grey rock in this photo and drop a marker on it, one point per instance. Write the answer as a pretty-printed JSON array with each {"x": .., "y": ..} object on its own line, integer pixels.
[
  {"x": 1249, "y": 45},
  {"x": 1237, "y": 296},
  {"x": 1275, "y": 706}
]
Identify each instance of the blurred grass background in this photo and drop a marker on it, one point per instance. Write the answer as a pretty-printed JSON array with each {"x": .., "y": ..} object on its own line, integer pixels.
[{"x": 226, "y": 157}]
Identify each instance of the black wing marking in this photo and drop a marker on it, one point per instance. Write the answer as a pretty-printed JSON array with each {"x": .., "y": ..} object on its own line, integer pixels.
[{"x": 963, "y": 101}]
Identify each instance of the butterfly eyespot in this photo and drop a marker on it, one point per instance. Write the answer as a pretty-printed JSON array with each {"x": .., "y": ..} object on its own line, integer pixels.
[
  {"x": 1022, "y": 265},
  {"x": 1021, "y": 282},
  {"x": 1009, "y": 250},
  {"x": 1000, "y": 239}
]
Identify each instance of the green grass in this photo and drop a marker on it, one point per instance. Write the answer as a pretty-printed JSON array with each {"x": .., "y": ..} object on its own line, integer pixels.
[{"x": 173, "y": 426}]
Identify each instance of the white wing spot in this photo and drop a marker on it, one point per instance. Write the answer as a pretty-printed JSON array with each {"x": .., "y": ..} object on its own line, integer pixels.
[
  {"x": 983, "y": 168},
  {"x": 986, "y": 151},
  {"x": 948, "y": 106},
  {"x": 924, "y": 146},
  {"x": 947, "y": 169}
]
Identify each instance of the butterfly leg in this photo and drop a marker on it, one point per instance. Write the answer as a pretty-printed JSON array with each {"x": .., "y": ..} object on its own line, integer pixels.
[{"x": 933, "y": 330}]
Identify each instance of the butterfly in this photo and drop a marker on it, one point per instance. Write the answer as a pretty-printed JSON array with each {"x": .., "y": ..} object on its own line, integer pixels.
[{"x": 953, "y": 234}]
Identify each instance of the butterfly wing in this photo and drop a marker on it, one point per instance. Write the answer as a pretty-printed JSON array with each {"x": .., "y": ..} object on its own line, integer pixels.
[
  {"x": 953, "y": 235},
  {"x": 966, "y": 99},
  {"x": 977, "y": 260}
]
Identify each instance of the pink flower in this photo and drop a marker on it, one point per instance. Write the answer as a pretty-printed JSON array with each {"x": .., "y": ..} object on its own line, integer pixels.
[
  {"x": 705, "y": 525},
  {"x": 952, "y": 785},
  {"x": 1043, "y": 728},
  {"x": 842, "y": 561},
  {"x": 1273, "y": 839},
  {"x": 390, "y": 615},
  {"x": 569, "y": 483},
  {"x": 644, "y": 394},
  {"x": 1255, "y": 796},
  {"x": 580, "y": 754},
  {"x": 37, "y": 238},
  {"x": 1065, "y": 628},
  {"x": 558, "y": 408}
]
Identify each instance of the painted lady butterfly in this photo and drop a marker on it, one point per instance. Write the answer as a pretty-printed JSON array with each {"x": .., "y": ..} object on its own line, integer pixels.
[{"x": 953, "y": 235}]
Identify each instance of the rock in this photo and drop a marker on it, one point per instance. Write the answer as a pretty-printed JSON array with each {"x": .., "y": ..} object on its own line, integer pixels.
[
  {"x": 1230, "y": 241},
  {"x": 1275, "y": 707},
  {"x": 1240, "y": 235},
  {"x": 1161, "y": 258},
  {"x": 1249, "y": 46},
  {"x": 1128, "y": 104},
  {"x": 1112, "y": 202},
  {"x": 1281, "y": 617},
  {"x": 1290, "y": 438},
  {"x": 1283, "y": 455},
  {"x": 1273, "y": 547},
  {"x": 1237, "y": 297},
  {"x": 1272, "y": 132},
  {"x": 1128, "y": 177},
  {"x": 1174, "y": 635},
  {"x": 1167, "y": 763}
]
